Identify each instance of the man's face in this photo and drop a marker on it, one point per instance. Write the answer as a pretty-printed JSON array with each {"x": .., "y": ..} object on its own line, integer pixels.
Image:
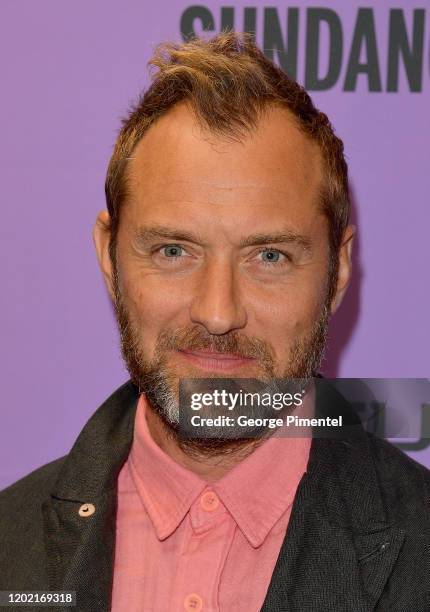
[{"x": 222, "y": 255}]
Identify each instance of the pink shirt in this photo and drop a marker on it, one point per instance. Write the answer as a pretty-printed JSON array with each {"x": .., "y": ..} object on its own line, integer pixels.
[{"x": 184, "y": 544}]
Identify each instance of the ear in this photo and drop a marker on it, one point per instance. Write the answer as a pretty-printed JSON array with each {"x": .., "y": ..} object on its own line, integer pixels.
[
  {"x": 344, "y": 267},
  {"x": 101, "y": 237}
]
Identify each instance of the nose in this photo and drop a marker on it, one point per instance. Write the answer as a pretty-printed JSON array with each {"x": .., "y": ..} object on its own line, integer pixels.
[{"x": 217, "y": 304}]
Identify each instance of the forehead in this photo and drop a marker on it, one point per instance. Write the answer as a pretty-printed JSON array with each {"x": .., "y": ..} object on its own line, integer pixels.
[{"x": 274, "y": 169}]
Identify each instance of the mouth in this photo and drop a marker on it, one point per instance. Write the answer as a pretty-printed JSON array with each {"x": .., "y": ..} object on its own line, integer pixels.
[{"x": 210, "y": 360}]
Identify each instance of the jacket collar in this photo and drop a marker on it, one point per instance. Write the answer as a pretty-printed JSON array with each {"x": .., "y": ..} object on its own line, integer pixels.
[
  {"x": 338, "y": 552},
  {"x": 91, "y": 469},
  {"x": 80, "y": 549},
  {"x": 339, "y": 549}
]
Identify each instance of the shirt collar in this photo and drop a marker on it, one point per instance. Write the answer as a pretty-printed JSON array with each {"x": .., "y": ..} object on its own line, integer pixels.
[
  {"x": 259, "y": 489},
  {"x": 166, "y": 489},
  {"x": 256, "y": 492}
]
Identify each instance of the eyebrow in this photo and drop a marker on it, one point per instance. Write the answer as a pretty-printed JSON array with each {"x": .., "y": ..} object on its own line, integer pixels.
[
  {"x": 287, "y": 237},
  {"x": 145, "y": 235}
]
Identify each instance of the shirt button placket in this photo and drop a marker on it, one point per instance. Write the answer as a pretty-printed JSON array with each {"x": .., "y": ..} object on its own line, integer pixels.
[
  {"x": 204, "y": 554},
  {"x": 193, "y": 603}
]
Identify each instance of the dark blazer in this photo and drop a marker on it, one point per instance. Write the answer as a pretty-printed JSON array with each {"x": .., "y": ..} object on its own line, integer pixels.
[{"x": 358, "y": 538}]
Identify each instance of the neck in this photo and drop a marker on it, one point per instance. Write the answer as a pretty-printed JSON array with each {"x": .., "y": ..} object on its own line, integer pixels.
[{"x": 210, "y": 463}]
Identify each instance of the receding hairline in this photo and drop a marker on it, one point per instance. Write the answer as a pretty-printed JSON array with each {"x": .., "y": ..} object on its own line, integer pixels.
[
  {"x": 212, "y": 136},
  {"x": 236, "y": 133}
]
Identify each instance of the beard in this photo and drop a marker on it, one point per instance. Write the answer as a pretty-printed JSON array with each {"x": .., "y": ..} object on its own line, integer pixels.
[{"x": 159, "y": 381}]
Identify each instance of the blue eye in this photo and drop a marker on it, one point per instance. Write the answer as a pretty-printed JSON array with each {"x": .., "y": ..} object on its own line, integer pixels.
[
  {"x": 270, "y": 256},
  {"x": 172, "y": 250}
]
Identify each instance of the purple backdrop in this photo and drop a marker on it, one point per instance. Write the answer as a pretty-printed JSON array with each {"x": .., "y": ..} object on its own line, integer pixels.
[{"x": 69, "y": 71}]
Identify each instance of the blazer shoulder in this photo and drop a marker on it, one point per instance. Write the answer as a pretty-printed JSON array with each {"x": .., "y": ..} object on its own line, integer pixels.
[
  {"x": 390, "y": 459},
  {"x": 405, "y": 483},
  {"x": 22, "y": 553},
  {"x": 32, "y": 488}
]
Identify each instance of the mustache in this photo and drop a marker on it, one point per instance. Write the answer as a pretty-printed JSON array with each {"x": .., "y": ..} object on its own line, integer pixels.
[{"x": 196, "y": 338}]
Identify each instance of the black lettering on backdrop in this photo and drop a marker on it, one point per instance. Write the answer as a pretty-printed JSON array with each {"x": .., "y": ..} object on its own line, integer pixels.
[
  {"x": 412, "y": 55},
  {"x": 273, "y": 40},
  {"x": 424, "y": 441},
  {"x": 315, "y": 17},
  {"x": 364, "y": 32},
  {"x": 190, "y": 15},
  {"x": 280, "y": 42},
  {"x": 250, "y": 20},
  {"x": 227, "y": 18}
]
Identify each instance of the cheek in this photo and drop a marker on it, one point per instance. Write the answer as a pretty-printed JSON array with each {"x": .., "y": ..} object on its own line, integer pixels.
[
  {"x": 291, "y": 306},
  {"x": 152, "y": 305},
  {"x": 289, "y": 314}
]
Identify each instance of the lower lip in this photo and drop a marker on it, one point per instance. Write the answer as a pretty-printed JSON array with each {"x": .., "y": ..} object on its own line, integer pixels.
[{"x": 215, "y": 362}]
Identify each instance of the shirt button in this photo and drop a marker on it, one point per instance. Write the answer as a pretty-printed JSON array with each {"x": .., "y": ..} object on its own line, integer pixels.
[
  {"x": 87, "y": 510},
  {"x": 193, "y": 602},
  {"x": 209, "y": 501}
]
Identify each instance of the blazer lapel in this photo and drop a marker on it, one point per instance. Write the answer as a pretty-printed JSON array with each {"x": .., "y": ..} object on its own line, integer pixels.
[
  {"x": 339, "y": 551},
  {"x": 80, "y": 546}
]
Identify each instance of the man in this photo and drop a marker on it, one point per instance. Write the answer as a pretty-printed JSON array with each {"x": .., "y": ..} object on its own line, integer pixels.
[{"x": 225, "y": 248}]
